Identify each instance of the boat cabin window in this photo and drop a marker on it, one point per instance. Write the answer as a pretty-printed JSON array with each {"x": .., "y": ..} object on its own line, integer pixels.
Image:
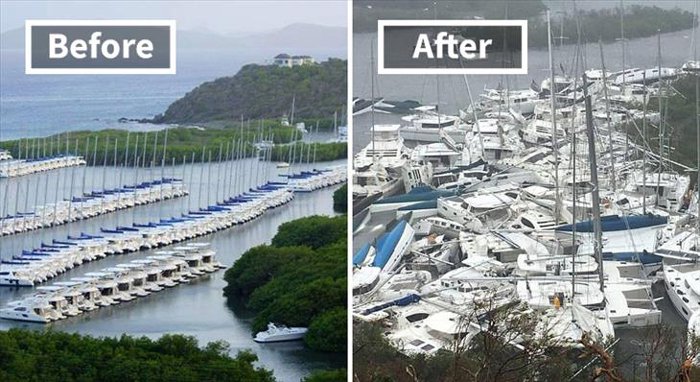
[
  {"x": 365, "y": 181},
  {"x": 22, "y": 309},
  {"x": 431, "y": 125},
  {"x": 622, "y": 202},
  {"x": 526, "y": 222},
  {"x": 416, "y": 342},
  {"x": 417, "y": 317}
]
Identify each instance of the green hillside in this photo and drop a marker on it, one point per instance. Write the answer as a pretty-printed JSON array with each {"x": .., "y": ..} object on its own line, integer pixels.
[{"x": 265, "y": 91}]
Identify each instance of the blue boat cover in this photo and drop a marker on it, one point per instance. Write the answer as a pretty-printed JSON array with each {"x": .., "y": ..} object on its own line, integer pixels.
[
  {"x": 417, "y": 196},
  {"x": 617, "y": 223},
  {"x": 361, "y": 255},
  {"x": 387, "y": 243},
  {"x": 403, "y": 301},
  {"x": 427, "y": 205}
]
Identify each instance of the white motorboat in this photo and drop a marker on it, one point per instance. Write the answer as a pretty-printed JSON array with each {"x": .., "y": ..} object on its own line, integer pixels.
[
  {"x": 387, "y": 149},
  {"x": 275, "y": 333},
  {"x": 651, "y": 75},
  {"x": 522, "y": 101},
  {"x": 32, "y": 310},
  {"x": 682, "y": 282},
  {"x": 424, "y": 127}
]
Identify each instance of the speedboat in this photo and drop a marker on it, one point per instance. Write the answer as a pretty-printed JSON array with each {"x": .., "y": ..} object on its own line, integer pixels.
[{"x": 275, "y": 333}]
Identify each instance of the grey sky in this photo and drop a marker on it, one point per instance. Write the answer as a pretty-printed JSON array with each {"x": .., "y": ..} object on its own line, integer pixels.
[{"x": 223, "y": 16}]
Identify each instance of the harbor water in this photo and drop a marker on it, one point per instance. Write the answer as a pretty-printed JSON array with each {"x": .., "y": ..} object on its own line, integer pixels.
[
  {"x": 199, "y": 309},
  {"x": 453, "y": 96}
]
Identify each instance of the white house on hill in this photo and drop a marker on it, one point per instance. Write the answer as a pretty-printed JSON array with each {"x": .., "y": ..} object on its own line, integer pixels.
[{"x": 284, "y": 59}]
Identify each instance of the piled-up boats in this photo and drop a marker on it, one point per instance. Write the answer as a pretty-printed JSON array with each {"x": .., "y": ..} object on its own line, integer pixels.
[
  {"x": 546, "y": 210},
  {"x": 93, "y": 204},
  {"x": 115, "y": 285},
  {"x": 19, "y": 167}
]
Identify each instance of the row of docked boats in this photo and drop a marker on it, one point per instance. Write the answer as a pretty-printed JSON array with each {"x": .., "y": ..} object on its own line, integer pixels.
[
  {"x": 40, "y": 264},
  {"x": 531, "y": 201},
  {"x": 37, "y": 265},
  {"x": 92, "y": 204},
  {"x": 115, "y": 285},
  {"x": 309, "y": 181},
  {"x": 19, "y": 167}
]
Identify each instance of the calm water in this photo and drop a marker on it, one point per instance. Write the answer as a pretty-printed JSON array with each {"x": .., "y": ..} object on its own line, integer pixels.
[
  {"x": 40, "y": 105},
  {"x": 675, "y": 50},
  {"x": 198, "y": 309}
]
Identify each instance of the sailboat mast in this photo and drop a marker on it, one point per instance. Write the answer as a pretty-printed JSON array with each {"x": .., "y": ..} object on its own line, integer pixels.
[
  {"x": 555, "y": 145},
  {"x": 622, "y": 42},
  {"x": 82, "y": 187},
  {"x": 162, "y": 170},
  {"x": 607, "y": 112},
  {"x": 644, "y": 137},
  {"x": 661, "y": 119},
  {"x": 697, "y": 113},
  {"x": 371, "y": 76},
  {"x": 218, "y": 175},
  {"x": 136, "y": 163},
  {"x": 598, "y": 234},
  {"x": 70, "y": 194},
  {"x": 437, "y": 78},
  {"x": 226, "y": 171},
  {"x": 574, "y": 114},
  {"x": 201, "y": 179}
]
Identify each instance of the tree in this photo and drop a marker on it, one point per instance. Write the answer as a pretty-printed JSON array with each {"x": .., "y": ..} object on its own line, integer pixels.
[
  {"x": 337, "y": 375},
  {"x": 312, "y": 231},
  {"x": 340, "y": 199},
  {"x": 57, "y": 356},
  {"x": 299, "y": 280},
  {"x": 324, "y": 334}
]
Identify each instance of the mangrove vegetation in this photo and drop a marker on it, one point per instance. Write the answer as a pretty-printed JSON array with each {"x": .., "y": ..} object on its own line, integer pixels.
[
  {"x": 182, "y": 144},
  {"x": 300, "y": 279},
  {"x": 27, "y": 355}
]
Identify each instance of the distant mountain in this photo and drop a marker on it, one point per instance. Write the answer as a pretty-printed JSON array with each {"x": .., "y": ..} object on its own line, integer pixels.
[
  {"x": 294, "y": 39},
  {"x": 265, "y": 91},
  {"x": 302, "y": 36}
]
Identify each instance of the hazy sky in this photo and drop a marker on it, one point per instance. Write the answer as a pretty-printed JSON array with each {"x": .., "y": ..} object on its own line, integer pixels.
[{"x": 223, "y": 16}]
